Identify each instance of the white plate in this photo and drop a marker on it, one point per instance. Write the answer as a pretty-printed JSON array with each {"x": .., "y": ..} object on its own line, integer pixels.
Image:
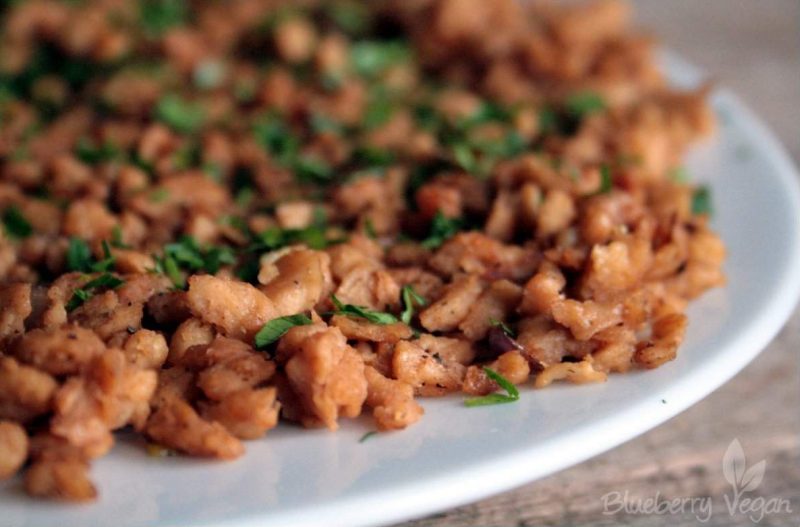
[{"x": 455, "y": 455}]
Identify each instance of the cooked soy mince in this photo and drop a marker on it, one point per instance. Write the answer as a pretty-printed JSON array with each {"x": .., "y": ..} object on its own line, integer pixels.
[{"x": 220, "y": 216}]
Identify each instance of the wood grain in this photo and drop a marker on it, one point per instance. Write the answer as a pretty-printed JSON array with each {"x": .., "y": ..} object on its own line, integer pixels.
[{"x": 754, "y": 48}]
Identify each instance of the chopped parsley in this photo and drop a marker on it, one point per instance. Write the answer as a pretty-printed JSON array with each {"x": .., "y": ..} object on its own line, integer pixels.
[
  {"x": 368, "y": 435},
  {"x": 82, "y": 294},
  {"x": 606, "y": 180},
  {"x": 79, "y": 257},
  {"x": 350, "y": 310},
  {"x": 274, "y": 135},
  {"x": 442, "y": 229},
  {"x": 349, "y": 15},
  {"x": 310, "y": 169},
  {"x": 372, "y": 157},
  {"x": 585, "y": 103},
  {"x": 159, "y": 195},
  {"x": 93, "y": 154},
  {"x": 701, "y": 201},
  {"x": 15, "y": 224},
  {"x": 157, "y": 16},
  {"x": 369, "y": 229},
  {"x": 511, "y": 395},
  {"x": 314, "y": 236},
  {"x": 502, "y": 326},
  {"x": 410, "y": 297},
  {"x": 548, "y": 121},
  {"x": 116, "y": 238},
  {"x": 378, "y": 111},
  {"x": 187, "y": 255},
  {"x": 487, "y": 112},
  {"x": 179, "y": 114},
  {"x": 277, "y": 327},
  {"x": 465, "y": 157},
  {"x": 370, "y": 58}
]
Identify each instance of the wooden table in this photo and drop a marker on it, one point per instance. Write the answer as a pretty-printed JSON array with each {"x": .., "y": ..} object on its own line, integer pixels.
[{"x": 754, "y": 48}]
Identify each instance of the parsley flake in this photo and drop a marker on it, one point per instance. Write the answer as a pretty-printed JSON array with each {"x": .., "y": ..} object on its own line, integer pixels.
[
  {"x": 606, "y": 180},
  {"x": 701, "y": 201},
  {"x": 350, "y": 310},
  {"x": 181, "y": 115},
  {"x": 277, "y": 327},
  {"x": 410, "y": 297},
  {"x": 82, "y": 294},
  {"x": 368, "y": 435},
  {"x": 585, "y": 103},
  {"x": 442, "y": 229},
  {"x": 79, "y": 257},
  {"x": 511, "y": 395},
  {"x": 187, "y": 255},
  {"x": 503, "y": 327},
  {"x": 16, "y": 225}
]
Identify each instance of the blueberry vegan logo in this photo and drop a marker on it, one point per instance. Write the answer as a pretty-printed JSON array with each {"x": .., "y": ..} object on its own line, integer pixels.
[{"x": 744, "y": 480}]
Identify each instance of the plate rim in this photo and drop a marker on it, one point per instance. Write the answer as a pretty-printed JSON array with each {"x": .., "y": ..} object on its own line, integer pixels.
[{"x": 517, "y": 468}]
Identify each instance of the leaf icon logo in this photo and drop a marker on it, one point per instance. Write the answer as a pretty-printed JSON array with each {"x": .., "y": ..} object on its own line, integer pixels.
[
  {"x": 734, "y": 468},
  {"x": 753, "y": 476}
]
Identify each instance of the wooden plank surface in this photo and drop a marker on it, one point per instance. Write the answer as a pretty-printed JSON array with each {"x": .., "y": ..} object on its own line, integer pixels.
[{"x": 754, "y": 48}]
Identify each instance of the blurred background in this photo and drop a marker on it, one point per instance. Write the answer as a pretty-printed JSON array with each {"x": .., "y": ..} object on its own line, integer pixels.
[{"x": 752, "y": 47}]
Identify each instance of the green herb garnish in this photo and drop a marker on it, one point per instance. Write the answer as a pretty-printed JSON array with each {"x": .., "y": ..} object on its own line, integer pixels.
[
  {"x": 116, "y": 238},
  {"x": 701, "y": 201},
  {"x": 187, "y": 255},
  {"x": 378, "y": 111},
  {"x": 487, "y": 112},
  {"x": 410, "y": 297},
  {"x": 313, "y": 236},
  {"x": 370, "y": 58},
  {"x": 273, "y": 134},
  {"x": 442, "y": 229},
  {"x": 277, "y": 327},
  {"x": 503, "y": 327},
  {"x": 350, "y": 310},
  {"x": 181, "y": 115},
  {"x": 16, "y": 225},
  {"x": 79, "y": 257},
  {"x": 82, "y": 294},
  {"x": 351, "y": 16},
  {"x": 308, "y": 169},
  {"x": 548, "y": 121},
  {"x": 368, "y": 435},
  {"x": 582, "y": 104},
  {"x": 369, "y": 229},
  {"x": 511, "y": 395},
  {"x": 157, "y": 16},
  {"x": 159, "y": 195},
  {"x": 93, "y": 154},
  {"x": 606, "y": 180}
]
